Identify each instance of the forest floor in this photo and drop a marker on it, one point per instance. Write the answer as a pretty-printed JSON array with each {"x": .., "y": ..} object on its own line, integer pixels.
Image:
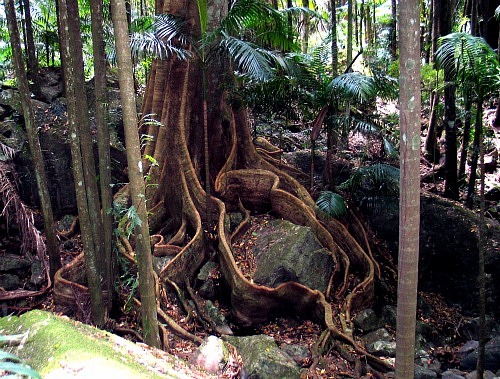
[{"x": 283, "y": 330}]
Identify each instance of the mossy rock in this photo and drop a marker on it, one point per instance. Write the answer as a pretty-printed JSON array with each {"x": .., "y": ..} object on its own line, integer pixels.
[{"x": 58, "y": 347}]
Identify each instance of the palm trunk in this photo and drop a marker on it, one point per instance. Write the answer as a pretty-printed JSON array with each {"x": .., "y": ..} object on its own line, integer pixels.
[
  {"x": 103, "y": 142},
  {"x": 409, "y": 215},
  {"x": 478, "y": 130},
  {"x": 465, "y": 139},
  {"x": 137, "y": 187}
]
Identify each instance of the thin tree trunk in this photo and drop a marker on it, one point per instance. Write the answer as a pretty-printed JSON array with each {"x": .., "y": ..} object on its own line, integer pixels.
[
  {"x": 305, "y": 29},
  {"x": 482, "y": 274},
  {"x": 335, "y": 49},
  {"x": 436, "y": 26},
  {"x": 394, "y": 42},
  {"x": 465, "y": 139},
  {"x": 349, "y": 32},
  {"x": 409, "y": 206},
  {"x": 450, "y": 127},
  {"x": 478, "y": 130},
  {"x": 33, "y": 141},
  {"x": 137, "y": 188},
  {"x": 431, "y": 148},
  {"x": 103, "y": 142},
  {"x": 83, "y": 169},
  {"x": 31, "y": 50}
]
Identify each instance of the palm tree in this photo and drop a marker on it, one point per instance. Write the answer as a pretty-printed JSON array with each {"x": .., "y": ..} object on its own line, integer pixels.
[{"x": 471, "y": 63}]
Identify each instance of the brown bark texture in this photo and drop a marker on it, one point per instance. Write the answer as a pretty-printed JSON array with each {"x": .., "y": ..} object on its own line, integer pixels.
[
  {"x": 409, "y": 204},
  {"x": 244, "y": 178}
]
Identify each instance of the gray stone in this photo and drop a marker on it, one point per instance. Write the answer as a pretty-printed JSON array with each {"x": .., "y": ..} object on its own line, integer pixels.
[
  {"x": 486, "y": 375},
  {"x": 288, "y": 252},
  {"x": 207, "y": 270},
  {"x": 424, "y": 373},
  {"x": 388, "y": 316},
  {"x": 9, "y": 282},
  {"x": 491, "y": 357},
  {"x": 378, "y": 335},
  {"x": 382, "y": 348},
  {"x": 160, "y": 262},
  {"x": 37, "y": 273},
  {"x": 300, "y": 354},
  {"x": 262, "y": 358},
  {"x": 13, "y": 263},
  {"x": 367, "y": 321},
  {"x": 452, "y": 374},
  {"x": 218, "y": 318},
  {"x": 470, "y": 329},
  {"x": 212, "y": 355}
]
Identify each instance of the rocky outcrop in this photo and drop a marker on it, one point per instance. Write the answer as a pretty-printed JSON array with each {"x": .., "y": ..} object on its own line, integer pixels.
[{"x": 57, "y": 348}]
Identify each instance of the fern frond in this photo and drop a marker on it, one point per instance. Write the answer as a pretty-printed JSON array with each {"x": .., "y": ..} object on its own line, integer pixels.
[{"x": 331, "y": 205}]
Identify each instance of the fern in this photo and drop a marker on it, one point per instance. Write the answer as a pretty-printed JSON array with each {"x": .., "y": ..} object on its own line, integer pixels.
[
  {"x": 11, "y": 366},
  {"x": 373, "y": 187},
  {"x": 331, "y": 205}
]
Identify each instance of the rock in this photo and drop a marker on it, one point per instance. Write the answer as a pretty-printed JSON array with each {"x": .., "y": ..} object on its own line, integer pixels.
[
  {"x": 300, "y": 354},
  {"x": 452, "y": 374},
  {"x": 382, "y": 348},
  {"x": 424, "y": 373},
  {"x": 378, "y": 335},
  {"x": 10, "y": 97},
  {"x": 427, "y": 336},
  {"x": 12, "y": 263},
  {"x": 207, "y": 270},
  {"x": 367, "y": 321},
  {"x": 262, "y": 358},
  {"x": 493, "y": 194},
  {"x": 388, "y": 316},
  {"x": 218, "y": 318},
  {"x": 491, "y": 356},
  {"x": 9, "y": 282},
  {"x": 60, "y": 348},
  {"x": 208, "y": 287},
  {"x": 486, "y": 375},
  {"x": 212, "y": 355},
  {"x": 160, "y": 262},
  {"x": 37, "y": 274},
  {"x": 470, "y": 329},
  {"x": 467, "y": 348},
  {"x": 285, "y": 251},
  {"x": 448, "y": 258}
]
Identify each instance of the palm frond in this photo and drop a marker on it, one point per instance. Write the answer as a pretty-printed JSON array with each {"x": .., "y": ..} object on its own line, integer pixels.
[
  {"x": 497, "y": 13},
  {"x": 353, "y": 86},
  {"x": 331, "y": 205},
  {"x": 373, "y": 181},
  {"x": 250, "y": 59},
  {"x": 163, "y": 37},
  {"x": 13, "y": 366},
  {"x": 467, "y": 59}
]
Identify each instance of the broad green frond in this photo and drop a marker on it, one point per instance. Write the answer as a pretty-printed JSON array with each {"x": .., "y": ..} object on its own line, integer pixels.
[
  {"x": 159, "y": 37},
  {"x": 202, "y": 11},
  {"x": 331, "y": 205},
  {"x": 468, "y": 60},
  {"x": 353, "y": 86},
  {"x": 497, "y": 13},
  {"x": 371, "y": 181},
  {"x": 251, "y": 60}
]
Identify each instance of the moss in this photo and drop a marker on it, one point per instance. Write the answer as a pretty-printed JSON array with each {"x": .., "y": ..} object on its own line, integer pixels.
[{"x": 58, "y": 346}]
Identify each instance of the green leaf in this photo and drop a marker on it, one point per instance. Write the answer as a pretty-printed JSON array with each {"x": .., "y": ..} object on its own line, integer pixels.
[
  {"x": 19, "y": 369},
  {"x": 331, "y": 205}
]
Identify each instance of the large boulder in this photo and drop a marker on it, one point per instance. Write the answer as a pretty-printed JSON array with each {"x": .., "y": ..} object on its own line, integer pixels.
[
  {"x": 448, "y": 251},
  {"x": 60, "y": 348},
  {"x": 263, "y": 359},
  {"x": 288, "y": 252}
]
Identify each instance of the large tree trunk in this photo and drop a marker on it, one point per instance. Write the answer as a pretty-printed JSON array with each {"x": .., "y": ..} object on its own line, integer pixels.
[{"x": 244, "y": 178}]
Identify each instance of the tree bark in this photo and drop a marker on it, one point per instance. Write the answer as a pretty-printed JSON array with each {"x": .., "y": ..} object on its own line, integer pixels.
[
  {"x": 103, "y": 142},
  {"x": 31, "y": 49},
  {"x": 136, "y": 175},
  {"x": 81, "y": 151},
  {"x": 335, "y": 48},
  {"x": 349, "y": 32},
  {"x": 33, "y": 141},
  {"x": 409, "y": 206}
]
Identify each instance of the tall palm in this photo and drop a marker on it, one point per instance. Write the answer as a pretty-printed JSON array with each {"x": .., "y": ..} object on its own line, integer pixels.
[{"x": 471, "y": 63}]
